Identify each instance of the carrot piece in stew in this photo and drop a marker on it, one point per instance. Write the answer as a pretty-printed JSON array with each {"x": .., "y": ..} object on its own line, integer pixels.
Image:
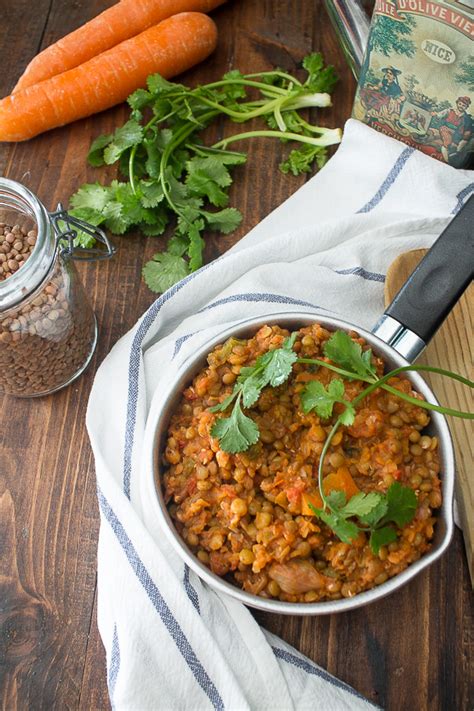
[{"x": 341, "y": 480}]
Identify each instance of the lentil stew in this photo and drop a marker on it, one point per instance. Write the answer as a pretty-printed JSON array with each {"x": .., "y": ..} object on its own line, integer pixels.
[{"x": 247, "y": 517}]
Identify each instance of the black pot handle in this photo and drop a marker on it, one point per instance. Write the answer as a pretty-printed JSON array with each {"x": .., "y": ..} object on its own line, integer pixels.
[{"x": 439, "y": 280}]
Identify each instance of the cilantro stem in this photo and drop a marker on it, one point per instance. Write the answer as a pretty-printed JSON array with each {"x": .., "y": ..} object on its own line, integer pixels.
[
  {"x": 336, "y": 369},
  {"x": 310, "y": 127},
  {"x": 180, "y": 136},
  {"x": 329, "y": 138},
  {"x": 381, "y": 383},
  {"x": 204, "y": 151},
  {"x": 267, "y": 107},
  {"x": 245, "y": 82},
  {"x": 322, "y": 457},
  {"x": 277, "y": 73},
  {"x": 131, "y": 174}
]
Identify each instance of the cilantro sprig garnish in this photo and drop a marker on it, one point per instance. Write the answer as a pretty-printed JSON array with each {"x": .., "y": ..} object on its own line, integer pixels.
[
  {"x": 238, "y": 432},
  {"x": 316, "y": 396},
  {"x": 377, "y": 514},
  {"x": 172, "y": 177}
]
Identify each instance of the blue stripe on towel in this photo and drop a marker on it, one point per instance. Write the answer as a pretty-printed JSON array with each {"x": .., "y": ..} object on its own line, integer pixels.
[
  {"x": 464, "y": 193},
  {"x": 179, "y": 343},
  {"x": 316, "y": 671},
  {"x": 389, "y": 181},
  {"x": 190, "y": 589},
  {"x": 134, "y": 369},
  {"x": 155, "y": 597},
  {"x": 261, "y": 297},
  {"x": 114, "y": 664},
  {"x": 363, "y": 273}
]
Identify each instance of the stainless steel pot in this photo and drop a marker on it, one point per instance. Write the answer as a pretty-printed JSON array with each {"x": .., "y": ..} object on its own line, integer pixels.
[{"x": 399, "y": 336}]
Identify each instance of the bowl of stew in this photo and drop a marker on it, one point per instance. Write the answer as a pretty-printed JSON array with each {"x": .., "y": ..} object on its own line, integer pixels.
[{"x": 245, "y": 522}]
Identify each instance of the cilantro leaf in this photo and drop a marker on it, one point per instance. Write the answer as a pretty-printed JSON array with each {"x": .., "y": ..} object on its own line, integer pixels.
[
  {"x": 128, "y": 135},
  {"x": 375, "y": 515},
  {"x": 347, "y": 531},
  {"x": 362, "y": 504},
  {"x": 251, "y": 387},
  {"x": 341, "y": 349},
  {"x": 196, "y": 245},
  {"x": 401, "y": 504},
  {"x": 313, "y": 63},
  {"x": 225, "y": 403},
  {"x": 348, "y": 416},
  {"x": 300, "y": 160},
  {"x": 336, "y": 499},
  {"x": 164, "y": 270},
  {"x": 315, "y": 396},
  {"x": 235, "y": 433},
  {"x": 277, "y": 364},
  {"x": 92, "y": 195},
  {"x": 96, "y": 151},
  {"x": 213, "y": 166},
  {"x": 156, "y": 84},
  {"x": 200, "y": 184},
  {"x": 225, "y": 220},
  {"x": 320, "y": 79},
  {"x": 234, "y": 91},
  {"x": 158, "y": 226},
  {"x": 189, "y": 211},
  {"x": 151, "y": 193},
  {"x": 178, "y": 244},
  {"x": 115, "y": 220},
  {"x": 139, "y": 99},
  {"x": 381, "y": 537}
]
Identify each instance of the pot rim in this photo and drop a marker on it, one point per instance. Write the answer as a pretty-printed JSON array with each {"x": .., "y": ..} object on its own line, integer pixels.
[{"x": 157, "y": 424}]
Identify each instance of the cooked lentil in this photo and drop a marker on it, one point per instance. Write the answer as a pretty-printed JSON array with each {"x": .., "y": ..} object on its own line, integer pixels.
[{"x": 247, "y": 523}]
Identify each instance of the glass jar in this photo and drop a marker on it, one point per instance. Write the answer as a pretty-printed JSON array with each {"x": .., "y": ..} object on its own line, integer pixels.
[{"x": 48, "y": 331}]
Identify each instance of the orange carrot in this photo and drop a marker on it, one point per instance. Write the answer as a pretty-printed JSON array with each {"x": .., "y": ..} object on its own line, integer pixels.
[
  {"x": 120, "y": 22},
  {"x": 341, "y": 480},
  {"x": 313, "y": 499},
  {"x": 171, "y": 47}
]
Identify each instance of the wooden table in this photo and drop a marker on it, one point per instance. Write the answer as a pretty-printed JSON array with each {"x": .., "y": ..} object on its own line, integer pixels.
[{"x": 410, "y": 651}]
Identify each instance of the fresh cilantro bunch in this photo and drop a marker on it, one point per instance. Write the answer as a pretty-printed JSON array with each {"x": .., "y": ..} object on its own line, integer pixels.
[
  {"x": 172, "y": 177},
  {"x": 376, "y": 513}
]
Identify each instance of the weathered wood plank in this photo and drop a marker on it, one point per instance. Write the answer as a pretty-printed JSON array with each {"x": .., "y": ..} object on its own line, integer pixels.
[{"x": 408, "y": 651}]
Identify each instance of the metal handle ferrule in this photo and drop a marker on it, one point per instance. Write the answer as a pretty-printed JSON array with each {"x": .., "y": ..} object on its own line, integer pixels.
[{"x": 405, "y": 342}]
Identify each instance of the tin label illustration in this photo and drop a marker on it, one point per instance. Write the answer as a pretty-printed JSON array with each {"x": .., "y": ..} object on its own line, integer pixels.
[{"x": 417, "y": 80}]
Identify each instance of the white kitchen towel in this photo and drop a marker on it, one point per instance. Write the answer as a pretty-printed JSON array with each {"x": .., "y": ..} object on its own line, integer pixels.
[{"x": 171, "y": 642}]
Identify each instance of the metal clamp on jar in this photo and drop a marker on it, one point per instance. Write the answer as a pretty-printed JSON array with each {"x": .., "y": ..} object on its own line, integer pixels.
[{"x": 48, "y": 331}]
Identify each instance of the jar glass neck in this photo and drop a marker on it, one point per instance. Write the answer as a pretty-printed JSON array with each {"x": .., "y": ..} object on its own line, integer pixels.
[{"x": 18, "y": 205}]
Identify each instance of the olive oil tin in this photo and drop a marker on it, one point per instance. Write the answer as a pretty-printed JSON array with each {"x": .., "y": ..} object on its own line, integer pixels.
[{"x": 417, "y": 80}]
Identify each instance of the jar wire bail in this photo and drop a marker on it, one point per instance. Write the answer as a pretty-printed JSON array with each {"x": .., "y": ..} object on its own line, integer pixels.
[{"x": 67, "y": 227}]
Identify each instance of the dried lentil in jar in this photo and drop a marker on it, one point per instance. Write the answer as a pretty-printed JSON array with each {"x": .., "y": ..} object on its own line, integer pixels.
[{"x": 48, "y": 330}]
